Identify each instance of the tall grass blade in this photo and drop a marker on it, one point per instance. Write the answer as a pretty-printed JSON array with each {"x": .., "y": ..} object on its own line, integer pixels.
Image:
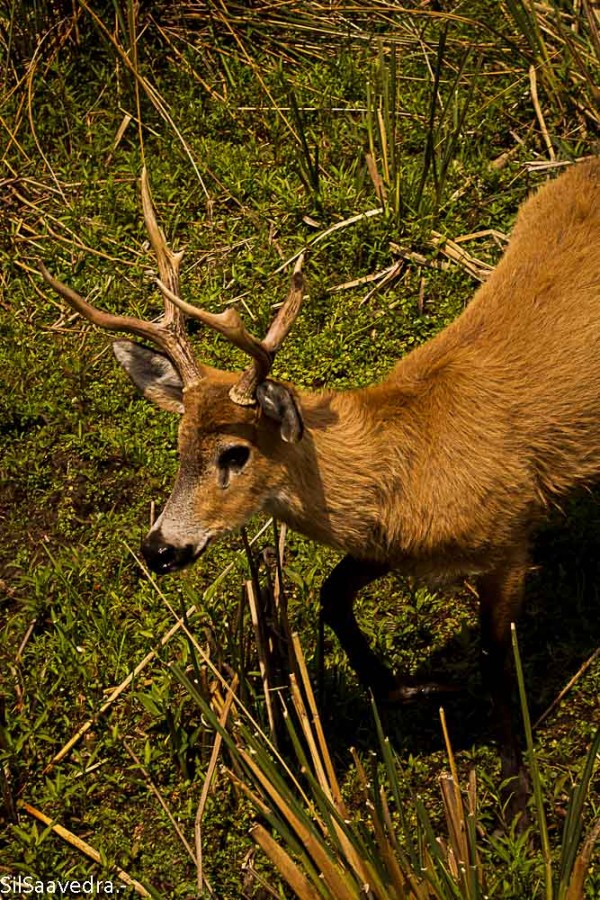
[
  {"x": 429, "y": 156},
  {"x": 582, "y": 865},
  {"x": 285, "y": 865},
  {"x": 340, "y": 883},
  {"x": 391, "y": 770},
  {"x": 308, "y": 165},
  {"x": 533, "y": 769},
  {"x": 573, "y": 825}
]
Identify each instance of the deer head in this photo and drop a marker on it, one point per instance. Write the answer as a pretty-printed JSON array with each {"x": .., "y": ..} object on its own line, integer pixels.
[{"x": 234, "y": 428}]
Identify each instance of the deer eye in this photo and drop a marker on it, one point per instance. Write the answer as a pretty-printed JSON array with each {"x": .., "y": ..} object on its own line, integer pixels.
[{"x": 231, "y": 461}]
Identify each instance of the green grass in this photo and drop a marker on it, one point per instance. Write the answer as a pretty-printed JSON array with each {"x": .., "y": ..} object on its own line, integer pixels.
[{"x": 250, "y": 155}]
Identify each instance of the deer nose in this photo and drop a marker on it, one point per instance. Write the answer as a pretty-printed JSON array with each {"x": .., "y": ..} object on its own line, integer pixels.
[{"x": 162, "y": 557}]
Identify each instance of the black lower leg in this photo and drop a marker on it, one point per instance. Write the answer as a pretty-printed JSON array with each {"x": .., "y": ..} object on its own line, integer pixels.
[
  {"x": 337, "y": 598},
  {"x": 500, "y": 595}
]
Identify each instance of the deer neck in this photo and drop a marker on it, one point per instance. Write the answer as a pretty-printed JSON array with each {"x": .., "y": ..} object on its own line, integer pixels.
[
  {"x": 333, "y": 480},
  {"x": 397, "y": 471}
]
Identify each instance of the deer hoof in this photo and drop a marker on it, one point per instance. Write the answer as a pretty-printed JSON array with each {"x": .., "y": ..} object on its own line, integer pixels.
[{"x": 405, "y": 692}]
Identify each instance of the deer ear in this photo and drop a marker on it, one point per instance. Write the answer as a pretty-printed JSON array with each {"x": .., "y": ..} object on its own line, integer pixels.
[
  {"x": 152, "y": 373},
  {"x": 278, "y": 403}
]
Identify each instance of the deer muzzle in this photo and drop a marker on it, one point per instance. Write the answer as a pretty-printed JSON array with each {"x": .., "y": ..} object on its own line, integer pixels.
[{"x": 163, "y": 557}]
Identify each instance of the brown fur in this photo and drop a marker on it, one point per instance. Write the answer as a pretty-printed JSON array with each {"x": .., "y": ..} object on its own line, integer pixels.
[
  {"x": 442, "y": 468},
  {"x": 445, "y": 467}
]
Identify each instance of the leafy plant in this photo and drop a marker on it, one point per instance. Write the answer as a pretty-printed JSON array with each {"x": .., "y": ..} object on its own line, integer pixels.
[{"x": 325, "y": 849}]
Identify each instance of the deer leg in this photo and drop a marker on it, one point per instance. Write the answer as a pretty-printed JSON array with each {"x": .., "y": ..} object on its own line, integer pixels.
[
  {"x": 337, "y": 599},
  {"x": 501, "y": 597}
]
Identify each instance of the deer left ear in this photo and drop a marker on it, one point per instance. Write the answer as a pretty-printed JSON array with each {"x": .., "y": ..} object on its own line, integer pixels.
[
  {"x": 152, "y": 373},
  {"x": 278, "y": 403}
]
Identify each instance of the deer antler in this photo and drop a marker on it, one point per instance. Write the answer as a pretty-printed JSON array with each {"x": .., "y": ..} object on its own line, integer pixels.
[
  {"x": 169, "y": 332},
  {"x": 245, "y": 390},
  {"x": 227, "y": 323},
  {"x": 230, "y": 325}
]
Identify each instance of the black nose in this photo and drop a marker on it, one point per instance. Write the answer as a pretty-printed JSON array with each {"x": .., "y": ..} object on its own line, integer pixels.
[{"x": 162, "y": 557}]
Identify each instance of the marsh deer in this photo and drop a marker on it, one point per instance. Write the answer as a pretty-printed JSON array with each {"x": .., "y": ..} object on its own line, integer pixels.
[{"x": 441, "y": 470}]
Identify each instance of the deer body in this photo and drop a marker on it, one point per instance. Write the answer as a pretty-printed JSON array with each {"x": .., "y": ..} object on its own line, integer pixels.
[
  {"x": 443, "y": 468},
  {"x": 401, "y": 475},
  {"x": 440, "y": 470}
]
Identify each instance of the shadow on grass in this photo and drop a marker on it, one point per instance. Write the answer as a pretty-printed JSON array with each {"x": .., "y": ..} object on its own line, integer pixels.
[{"x": 558, "y": 631}]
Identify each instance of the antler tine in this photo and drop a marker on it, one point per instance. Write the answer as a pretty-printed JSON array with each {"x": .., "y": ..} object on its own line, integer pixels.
[
  {"x": 168, "y": 261},
  {"x": 244, "y": 392},
  {"x": 168, "y": 333},
  {"x": 287, "y": 315},
  {"x": 228, "y": 323},
  {"x": 147, "y": 330},
  {"x": 168, "y": 270}
]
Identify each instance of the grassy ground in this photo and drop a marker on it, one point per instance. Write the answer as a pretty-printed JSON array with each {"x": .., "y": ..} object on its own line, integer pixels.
[{"x": 256, "y": 131}]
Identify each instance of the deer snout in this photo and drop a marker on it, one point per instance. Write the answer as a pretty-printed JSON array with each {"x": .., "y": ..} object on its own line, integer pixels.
[{"x": 162, "y": 557}]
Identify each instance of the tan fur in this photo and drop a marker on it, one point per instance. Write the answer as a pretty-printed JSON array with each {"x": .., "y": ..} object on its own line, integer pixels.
[
  {"x": 440, "y": 470},
  {"x": 444, "y": 466}
]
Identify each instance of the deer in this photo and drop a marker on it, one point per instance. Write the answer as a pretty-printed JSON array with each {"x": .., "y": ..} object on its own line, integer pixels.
[{"x": 442, "y": 470}]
